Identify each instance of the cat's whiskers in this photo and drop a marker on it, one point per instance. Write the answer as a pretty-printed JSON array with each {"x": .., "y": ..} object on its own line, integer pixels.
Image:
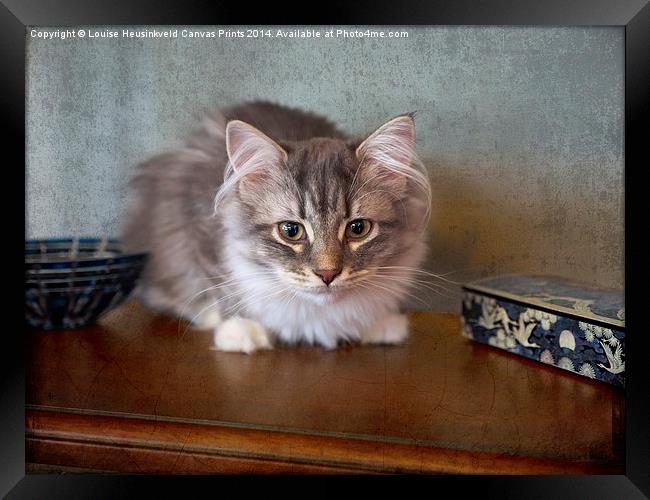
[
  {"x": 298, "y": 281},
  {"x": 213, "y": 304},
  {"x": 235, "y": 277},
  {"x": 294, "y": 294},
  {"x": 415, "y": 281},
  {"x": 404, "y": 291},
  {"x": 425, "y": 288},
  {"x": 286, "y": 300},
  {"x": 191, "y": 321},
  {"x": 395, "y": 277},
  {"x": 421, "y": 271},
  {"x": 409, "y": 279},
  {"x": 407, "y": 282},
  {"x": 238, "y": 291},
  {"x": 242, "y": 288},
  {"x": 383, "y": 286},
  {"x": 234, "y": 309},
  {"x": 369, "y": 285},
  {"x": 223, "y": 284}
]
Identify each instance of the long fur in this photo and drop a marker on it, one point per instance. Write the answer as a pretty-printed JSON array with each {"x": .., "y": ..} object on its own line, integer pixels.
[{"x": 207, "y": 218}]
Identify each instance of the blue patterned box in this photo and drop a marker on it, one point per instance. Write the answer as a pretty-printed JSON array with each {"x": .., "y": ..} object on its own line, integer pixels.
[{"x": 551, "y": 320}]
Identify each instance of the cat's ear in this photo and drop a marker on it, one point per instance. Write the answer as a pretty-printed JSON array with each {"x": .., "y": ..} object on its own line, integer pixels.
[
  {"x": 249, "y": 149},
  {"x": 389, "y": 150}
]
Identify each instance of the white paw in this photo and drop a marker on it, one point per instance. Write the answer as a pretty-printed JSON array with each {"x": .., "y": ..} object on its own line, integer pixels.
[
  {"x": 241, "y": 335},
  {"x": 208, "y": 320},
  {"x": 392, "y": 329}
]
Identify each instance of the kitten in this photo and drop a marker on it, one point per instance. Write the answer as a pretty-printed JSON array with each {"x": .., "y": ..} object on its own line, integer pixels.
[{"x": 273, "y": 226}]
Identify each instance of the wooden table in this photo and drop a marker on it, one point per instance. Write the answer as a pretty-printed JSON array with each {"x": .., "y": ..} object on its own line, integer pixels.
[{"x": 132, "y": 394}]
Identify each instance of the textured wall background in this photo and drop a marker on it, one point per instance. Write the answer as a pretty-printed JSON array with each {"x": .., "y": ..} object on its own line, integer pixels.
[{"x": 522, "y": 129}]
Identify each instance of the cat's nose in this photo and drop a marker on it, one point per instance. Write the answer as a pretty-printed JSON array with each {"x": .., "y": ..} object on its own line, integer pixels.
[{"x": 327, "y": 275}]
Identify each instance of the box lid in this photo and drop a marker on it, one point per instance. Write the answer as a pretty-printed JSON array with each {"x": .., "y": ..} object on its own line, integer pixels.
[{"x": 558, "y": 295}]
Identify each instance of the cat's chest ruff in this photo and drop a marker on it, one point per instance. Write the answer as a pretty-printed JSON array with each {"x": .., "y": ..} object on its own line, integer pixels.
[
  {"x": 296, "y": 318},
  {"x": 325, "y": 323}
]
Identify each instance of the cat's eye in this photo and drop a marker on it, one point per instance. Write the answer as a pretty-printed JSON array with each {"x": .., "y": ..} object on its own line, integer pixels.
[
  {"x": 358, "y": 228},
  {"x": 292, "y": 231}
]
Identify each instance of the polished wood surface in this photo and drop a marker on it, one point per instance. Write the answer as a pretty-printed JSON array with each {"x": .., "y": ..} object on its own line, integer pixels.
[{"x": 139, "y": 392}]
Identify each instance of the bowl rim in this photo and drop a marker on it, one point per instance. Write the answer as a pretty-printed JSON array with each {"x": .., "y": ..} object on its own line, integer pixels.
[
  {"x": 78, "y": 279},
  {"x": 72, "y": 263},
  {"x": 119, "y": 257},
  {"x": 70, "y": 239},
  {"x": 110, "y": 288},
  {"x": 119, "y": 268}
]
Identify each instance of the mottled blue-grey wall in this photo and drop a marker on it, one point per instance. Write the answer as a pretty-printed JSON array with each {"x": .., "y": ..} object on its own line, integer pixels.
[{"x": 522, "y": 129}]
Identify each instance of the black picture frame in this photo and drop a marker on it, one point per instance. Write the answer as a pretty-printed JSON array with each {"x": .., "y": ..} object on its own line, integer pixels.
[{"x": 634, "y": 15}]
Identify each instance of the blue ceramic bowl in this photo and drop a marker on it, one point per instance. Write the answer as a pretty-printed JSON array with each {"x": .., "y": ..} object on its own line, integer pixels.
[{"x": 69, "y": 283}]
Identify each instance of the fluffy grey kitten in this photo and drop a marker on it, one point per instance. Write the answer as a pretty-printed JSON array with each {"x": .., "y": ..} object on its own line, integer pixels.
[{"x": 272, "y": 226}]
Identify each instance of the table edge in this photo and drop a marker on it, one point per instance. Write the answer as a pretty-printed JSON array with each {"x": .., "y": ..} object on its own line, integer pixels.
[{"x": 76, "y": 439}]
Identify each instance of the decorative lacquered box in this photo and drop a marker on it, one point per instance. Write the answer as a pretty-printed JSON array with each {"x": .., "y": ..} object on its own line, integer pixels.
[{"x": 551, "y": 320}]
